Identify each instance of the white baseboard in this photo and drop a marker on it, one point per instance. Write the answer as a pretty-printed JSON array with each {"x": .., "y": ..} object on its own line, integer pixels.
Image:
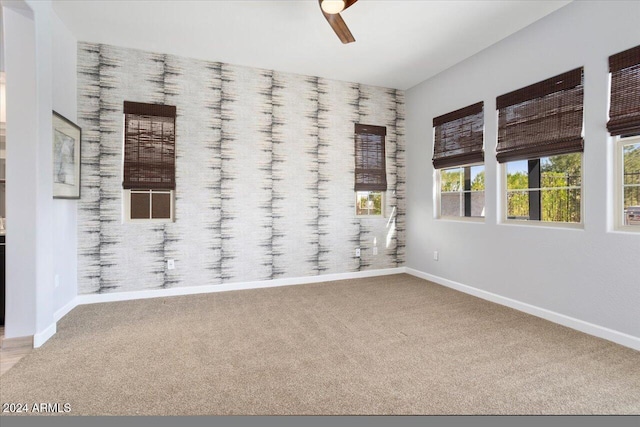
[
  {"x": 158, "y": 293},
  {"x": 65, "y": 309},
  {"x": 561, "y": 319},
  {"x": 42, "y": 337}
]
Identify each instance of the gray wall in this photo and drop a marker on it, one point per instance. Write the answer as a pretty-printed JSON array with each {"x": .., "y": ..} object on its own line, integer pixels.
[
  {"x": 264, "y": 174},
  {"x": 591, "y": 274},
  {"x": 65, "y": 212},
  {"x": 22, "y": 261},
  {"x": 42, "y": 232}
]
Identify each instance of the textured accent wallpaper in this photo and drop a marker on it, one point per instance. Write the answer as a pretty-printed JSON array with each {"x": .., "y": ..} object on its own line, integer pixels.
[{"x": 264, "y": 174}]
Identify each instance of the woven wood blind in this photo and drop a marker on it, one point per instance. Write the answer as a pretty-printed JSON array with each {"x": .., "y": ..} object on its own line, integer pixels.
[
  {"x": 624, "y": 112},
  {"x": 371, "y": 174},
  {"x": 541, "y": 120},
  {"x": 458, "y": 137},
  {"x": 149, "y": 146}
]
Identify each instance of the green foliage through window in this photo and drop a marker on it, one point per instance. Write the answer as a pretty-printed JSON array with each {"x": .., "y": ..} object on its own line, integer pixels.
[
  {"x": 368, "y": 203},
  {"x": 631, "y": 156},
  {"x": 560, "y": 189},
  {"x": 462, "y": 191}
]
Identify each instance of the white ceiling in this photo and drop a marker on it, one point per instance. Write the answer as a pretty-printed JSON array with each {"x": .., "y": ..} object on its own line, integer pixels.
[{"x": 398, "y": 43}]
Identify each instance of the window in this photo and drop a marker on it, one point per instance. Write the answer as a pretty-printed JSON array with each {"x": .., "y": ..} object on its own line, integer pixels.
[
  {"x": 459, "y": 157},
  {"x": 629, "y": 205},
  {"x": 540, "y": 142},
  {"x": 547, "y": 189},
  {"x": 462, "y": 191},
  {"x": 370, "y": 169},
  {"x": 369, "y": 203},
  {"x": 624, "y": 123},
  {"x": 149, "y": 204},
  {"x": 149, "y": 161}
]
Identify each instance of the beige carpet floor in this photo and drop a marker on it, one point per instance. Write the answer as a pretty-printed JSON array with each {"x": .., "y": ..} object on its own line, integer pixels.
[{"x": 385, "y": 345}]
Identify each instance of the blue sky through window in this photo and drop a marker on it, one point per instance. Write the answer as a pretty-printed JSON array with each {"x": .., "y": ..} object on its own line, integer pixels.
[{"x": 518, "y": 166}]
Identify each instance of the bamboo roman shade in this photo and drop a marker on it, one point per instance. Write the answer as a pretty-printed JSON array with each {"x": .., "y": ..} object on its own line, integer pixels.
[
  {"x": 624, "y": 111},
  {"x": 371, "y": 174},
  {"x": 149, "y": 146},
  {"x": 541, "y": 120},
  {"x": 458, "y": 137}
]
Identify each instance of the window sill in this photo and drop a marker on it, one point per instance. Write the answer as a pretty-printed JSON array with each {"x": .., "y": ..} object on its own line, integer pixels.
[
  {"x": 627, "y": 229},
  {"x": 464, "y": 219},
  {"x": 147, "y": 221},
  {"x": 541, "y": 224},
  {"x": 370, "y": 217}
]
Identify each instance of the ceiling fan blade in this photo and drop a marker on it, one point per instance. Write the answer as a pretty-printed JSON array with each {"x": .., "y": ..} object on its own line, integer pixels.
[
  {"x": 338, "y": 25},
  {"x": 340, "y": 28},
  {"x": 348, "y": 3}
]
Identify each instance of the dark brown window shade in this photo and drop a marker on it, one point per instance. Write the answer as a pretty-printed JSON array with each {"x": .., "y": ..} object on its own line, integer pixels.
[
  {"x": 161, "y": 205},
  {"x": 458, "y": 137},
  {"x": 541, "y": 120},
  {"x": 624, "y": 112},
  {"x": 371, "y": 172},
  {"x": 140, "y": 203},
  {"x": 149, "y": 146}
]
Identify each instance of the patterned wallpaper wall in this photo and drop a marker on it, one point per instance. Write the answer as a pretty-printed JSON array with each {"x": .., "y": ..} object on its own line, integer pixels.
[{"x": 264, "y": 174}]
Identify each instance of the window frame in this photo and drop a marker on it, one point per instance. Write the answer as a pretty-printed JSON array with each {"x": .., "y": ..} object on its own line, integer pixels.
[
  {"x": 620, "y": 142},
  {"x": 379, "y": 133},
  {"x": 539, "y": 222},
  {"x": 382, "y": 203},
  {"x": 126, "y": 208},
  {"x": 128, "y": 188},
  {"x": 438, "y": 201}
]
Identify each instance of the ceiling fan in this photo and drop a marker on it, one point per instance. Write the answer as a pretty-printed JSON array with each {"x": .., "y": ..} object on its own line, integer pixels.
[{"x": 331, "y": 10}]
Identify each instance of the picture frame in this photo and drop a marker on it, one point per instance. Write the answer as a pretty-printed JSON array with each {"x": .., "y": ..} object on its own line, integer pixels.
[{"x": 66, "y": 158}]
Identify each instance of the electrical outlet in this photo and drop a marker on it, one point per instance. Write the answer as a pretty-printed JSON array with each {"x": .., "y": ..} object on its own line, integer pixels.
[
  {"x": 358, "y": 252},
  {"x": 375, "y": 250},
  {"x": 436, "y": 255},
  {"x": 171, "y": 264}
]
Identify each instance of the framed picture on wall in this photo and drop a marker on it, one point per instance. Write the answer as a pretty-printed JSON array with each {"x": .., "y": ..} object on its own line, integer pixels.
[{"x": 66, "y": 158}]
